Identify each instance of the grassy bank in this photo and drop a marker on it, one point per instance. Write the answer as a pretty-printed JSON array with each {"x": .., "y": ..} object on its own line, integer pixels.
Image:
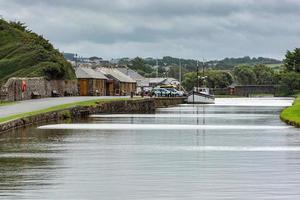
[
  {"x": 24, "y": 53},
  {"x": 60, "y": 107},
  {"x": 291, "y": 115},
  {"x": 4, "y": 103}
]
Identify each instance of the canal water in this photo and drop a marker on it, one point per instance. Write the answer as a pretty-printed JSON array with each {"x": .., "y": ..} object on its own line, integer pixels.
[{"x": 235, "y": 149}]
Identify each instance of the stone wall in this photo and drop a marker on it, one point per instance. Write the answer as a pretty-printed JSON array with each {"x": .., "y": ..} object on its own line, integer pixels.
[
  {"x": 162, "y": 102},
  {"x": 39, "y": 85},
  {"x": 3, "y": 94},
  {"x": 147, "y": 105}
]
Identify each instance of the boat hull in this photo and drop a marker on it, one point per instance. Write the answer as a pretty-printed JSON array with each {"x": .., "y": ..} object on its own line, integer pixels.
[{"x": 198, "y": 98}]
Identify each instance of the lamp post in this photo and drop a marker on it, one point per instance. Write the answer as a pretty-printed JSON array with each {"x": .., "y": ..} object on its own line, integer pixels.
[{"x": 75, "y": 60}]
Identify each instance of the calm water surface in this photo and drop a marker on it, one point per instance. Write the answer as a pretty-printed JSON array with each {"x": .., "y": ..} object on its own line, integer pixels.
[{"x": 202, "y": 163}]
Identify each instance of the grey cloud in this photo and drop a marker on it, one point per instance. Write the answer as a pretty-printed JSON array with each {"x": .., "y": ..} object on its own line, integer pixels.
[{"x": 212, "y": 28}]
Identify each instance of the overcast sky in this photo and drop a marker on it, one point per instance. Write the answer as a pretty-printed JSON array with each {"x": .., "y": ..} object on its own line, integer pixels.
[{"x": 212, "y": 29}]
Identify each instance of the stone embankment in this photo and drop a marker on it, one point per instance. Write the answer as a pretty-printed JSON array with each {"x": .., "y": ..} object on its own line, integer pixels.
[{"x": 113, "y": 107}]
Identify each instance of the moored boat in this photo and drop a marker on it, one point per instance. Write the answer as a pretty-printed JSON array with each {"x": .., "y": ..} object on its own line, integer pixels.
[{"x": 201, "y": 96}]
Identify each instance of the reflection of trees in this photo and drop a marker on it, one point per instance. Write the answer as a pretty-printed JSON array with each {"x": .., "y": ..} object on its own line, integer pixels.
[
  {"x": 18, "y": 172},
  {"x": 27, "y": 157}
]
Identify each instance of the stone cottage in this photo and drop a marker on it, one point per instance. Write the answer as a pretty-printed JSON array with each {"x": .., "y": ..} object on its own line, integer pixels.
[
  {"x": 91, "y": 82},
  {"x": 118, "y": 83}
]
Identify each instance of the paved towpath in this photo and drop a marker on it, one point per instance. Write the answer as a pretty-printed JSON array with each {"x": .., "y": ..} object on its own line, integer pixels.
[{"x": 39, "y": 104}]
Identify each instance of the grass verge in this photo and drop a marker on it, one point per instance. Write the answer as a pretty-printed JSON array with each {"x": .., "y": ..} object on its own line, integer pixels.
[
  {"x": 291, "y": 115},
  {"x": 61, "y": 107},
  {"x": 4, "y": 103}
]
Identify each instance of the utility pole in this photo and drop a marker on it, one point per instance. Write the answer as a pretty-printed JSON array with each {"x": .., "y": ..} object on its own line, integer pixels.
[
  {"x": 180, "y": 71},
  {"x": 156, "y": 68}
]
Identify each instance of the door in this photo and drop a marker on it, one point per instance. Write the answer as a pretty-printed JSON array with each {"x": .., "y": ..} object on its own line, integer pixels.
[
  {"x": 110, "y": 88},
  {"x": 83, "y": 87}
]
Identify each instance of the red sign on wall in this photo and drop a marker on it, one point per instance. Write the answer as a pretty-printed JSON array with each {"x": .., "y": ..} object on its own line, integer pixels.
[{"x": 24, "y": 86}]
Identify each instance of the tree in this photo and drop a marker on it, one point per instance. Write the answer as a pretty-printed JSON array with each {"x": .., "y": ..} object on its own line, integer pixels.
[
  {"x": 218, "y": 79},
  {"x": 264, "y": 75},
  {"x": 244, "y": 75},
  {"x": 18, "y": 25},
  {"x": 189, "y": 80},
  {"x": 292, "y": 60},
  {"x": 215, "y": 79},
  {"x": 289, "y": 82},
  {"x": 95, "y": 58},
  {"x": 139, "y": 64},
  {"x": 173, "y": 71}
]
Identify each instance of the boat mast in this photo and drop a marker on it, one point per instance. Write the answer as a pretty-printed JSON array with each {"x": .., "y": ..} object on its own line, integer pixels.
[
  {"x": 203, "y": 66},
  {"x": 203, "y": 76},
  {"x": 198, "y": 75}
]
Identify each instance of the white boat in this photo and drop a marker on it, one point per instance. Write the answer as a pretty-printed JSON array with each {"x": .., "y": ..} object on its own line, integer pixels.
[{"x": 201, "y": 96}]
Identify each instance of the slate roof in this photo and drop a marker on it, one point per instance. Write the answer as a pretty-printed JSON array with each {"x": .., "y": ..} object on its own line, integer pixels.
[
  {"x": 86, "y": 72},
  {"x": 116, "y": 74},
  {"x": 141, "y": 81},
  {"x": 156, "y": 80},
  {"x": 163, "y": 81},
  {"x": 131, "y": 73}
]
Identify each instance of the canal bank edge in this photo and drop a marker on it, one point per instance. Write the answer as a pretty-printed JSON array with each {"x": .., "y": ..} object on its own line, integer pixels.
[
  {"x": 146, "y": 105},
  {"x": 291, "y": 115}
]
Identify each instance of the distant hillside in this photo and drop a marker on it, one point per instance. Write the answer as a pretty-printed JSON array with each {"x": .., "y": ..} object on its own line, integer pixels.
[
  {"x": 226, "y": 63},
  {"x": 229, "y": 63},
  {"x": 190, "y": 64},
  {"x": 26, "y": 54},
  {"x": 169, "y": 65}
]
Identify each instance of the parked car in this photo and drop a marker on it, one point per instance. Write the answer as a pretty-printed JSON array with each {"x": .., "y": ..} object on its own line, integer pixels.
[
  {"x": 160, "y": 92},
  {"x": 175, "y": 93}
]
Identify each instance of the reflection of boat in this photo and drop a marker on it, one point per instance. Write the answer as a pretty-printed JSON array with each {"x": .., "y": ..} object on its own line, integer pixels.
[{"x": 201, "y": 96}]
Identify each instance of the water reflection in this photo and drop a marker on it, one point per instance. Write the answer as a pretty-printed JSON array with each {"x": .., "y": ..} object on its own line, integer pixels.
[
  {"x": 27, "y": 161},
  {"x": 168, "y": 164}
]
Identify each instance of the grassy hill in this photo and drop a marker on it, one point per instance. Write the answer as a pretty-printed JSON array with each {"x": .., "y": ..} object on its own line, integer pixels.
[{"x": 26, "y": 54}]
